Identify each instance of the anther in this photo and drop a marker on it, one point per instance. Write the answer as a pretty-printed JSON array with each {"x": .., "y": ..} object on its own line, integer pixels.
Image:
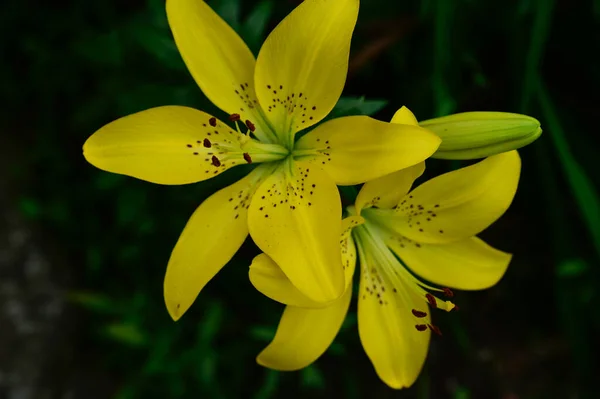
[
  {"x": 250, "y": 125},
  {"x": 435, "y": 329},
  {"x": 215, "y": 161},
  {"x": 247, "y": 157},
  {"x": 213, "y": 121},
  {"x": 448, "y": 292},
  {"x": 455, "y": 308},
  {"x": 207, "y": 143},
  {"x": 421, "y": 327},
  {"x": 418, "y": 313},
  {"x": 431, "y": 300},
  {"x": 234, "y": 117}
]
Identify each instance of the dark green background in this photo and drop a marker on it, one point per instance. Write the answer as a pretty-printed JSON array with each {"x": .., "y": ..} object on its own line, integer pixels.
[{"x": 68, "y": 67}]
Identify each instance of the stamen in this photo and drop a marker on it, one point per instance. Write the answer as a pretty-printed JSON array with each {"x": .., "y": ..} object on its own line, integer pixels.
[
  {"x": 247, "y": 157},
  {"x": 207, "y": 143},
  {"x": 215, "y": 161},
  {"x": 435, "y": 329},
  {"x": 421, "y": 327},
  {"x": 431, "y": 300},
  {"x": 234, "y": 117},
  {"x": 418, "y": 313},
  {"x": 456, "y": 308},
  {"x": 213, "y": 121},
  {"x": 448, "y": 292},
  {"x": 250, "y": 126}
]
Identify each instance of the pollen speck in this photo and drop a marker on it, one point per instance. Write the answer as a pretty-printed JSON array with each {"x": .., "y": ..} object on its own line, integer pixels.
[{"x": 213, "y": 121}]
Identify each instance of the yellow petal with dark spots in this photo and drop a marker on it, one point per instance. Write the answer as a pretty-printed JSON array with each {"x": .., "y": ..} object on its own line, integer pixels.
[
  {"x": 165, "y": 145},
  {"x": 295, "y": 219},
  {"x": 456, "y": 205},
  {"x": 355, "y": 149},
  {"x": 219, "y": 61},
  {"x": 211, "y": 237},
  {"x": 302, "y": 66}
]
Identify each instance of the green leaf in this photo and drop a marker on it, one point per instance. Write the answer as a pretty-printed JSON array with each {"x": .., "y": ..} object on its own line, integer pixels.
[
  {"x": 95, "y": 302},
  {"x": 356, "y": 106},
  {"x": 126, "y": 333},
  {"x": 262, "y": 333},
  {"x": 253, "y": 30},
  {"x": 230, "y": 11}
]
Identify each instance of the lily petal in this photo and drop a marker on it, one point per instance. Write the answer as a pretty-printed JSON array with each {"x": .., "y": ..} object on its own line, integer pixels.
[
  {"x": 218, "y": 59},
  {"x": 469, "y": 264},
  {"x": 385, "y": 192},
  {"x": 355, "y": 149},
  {"x": 295, "y": 218},
  {"x": 349, "y": 247},
  {"x": 456, "y": 205},
  {"x": 271, "y": 281},
  {"x": 386, "y": 327},
  {"x": 167, "y": 145},
  {"x": 211, "y": 237},
  {"x": 303, "y": 335},
  {"x": 268, "y": 278},
  {"x": 302, "y": 66},
  {"x": 405, "y": 116}
]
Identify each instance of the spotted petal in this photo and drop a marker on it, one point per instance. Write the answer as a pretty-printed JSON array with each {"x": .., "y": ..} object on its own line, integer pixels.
[
  {"x": 456, "y": 205},
  {"x": 295, "y": 219},
  {"x": 356, "y": 149},
  {"x": 386, "y": 324},
  {"x": 302, "y": 66},
  {"x": 211, "y": 237},
  {"x": 385, "y": 192},
  {"x": 170, "y": 145},
  {"x": 218, "y": 59}
]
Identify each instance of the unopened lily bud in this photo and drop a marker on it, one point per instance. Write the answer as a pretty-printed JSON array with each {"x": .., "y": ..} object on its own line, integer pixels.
[{"x": 472, "y": 135}]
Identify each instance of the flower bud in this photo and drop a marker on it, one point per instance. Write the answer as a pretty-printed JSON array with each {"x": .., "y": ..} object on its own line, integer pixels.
[{"x": 472, "y": 135}]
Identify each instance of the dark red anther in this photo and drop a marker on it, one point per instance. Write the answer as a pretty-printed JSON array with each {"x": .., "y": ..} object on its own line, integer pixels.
[
  {"x": 213, "y": 121},
  {"x": 234, "y": 117},
  {"x": 421, "y": 327},
  {"x": 418, "y": 313},
  {"x": 431, "y": 300},
  {"x": 250, "y": 125},
  {"x": 448, "y": 292},
  {"x": 247, "y": 157},
  {"x": 455, "y": 308},
  {"x": 207, "y": 143},
  {"x": 435, "y": 329},
  {"x": 215, "y": 161}
]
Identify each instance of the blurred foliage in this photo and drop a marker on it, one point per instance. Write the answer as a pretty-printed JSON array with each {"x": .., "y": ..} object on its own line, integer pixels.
[{"x": 72, "y": 66}]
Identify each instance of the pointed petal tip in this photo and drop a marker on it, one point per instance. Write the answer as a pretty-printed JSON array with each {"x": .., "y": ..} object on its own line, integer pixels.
[{"x": 174, "y": 312}]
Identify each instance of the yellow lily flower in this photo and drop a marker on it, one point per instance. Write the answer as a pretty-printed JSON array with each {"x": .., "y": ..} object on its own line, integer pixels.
[
  {"x": 289, "y": 202},
  {"x": 429, "y": 232}
]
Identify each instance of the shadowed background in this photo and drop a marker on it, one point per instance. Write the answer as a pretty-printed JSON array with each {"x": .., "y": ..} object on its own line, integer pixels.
[{"x": 83, "y": 252}]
